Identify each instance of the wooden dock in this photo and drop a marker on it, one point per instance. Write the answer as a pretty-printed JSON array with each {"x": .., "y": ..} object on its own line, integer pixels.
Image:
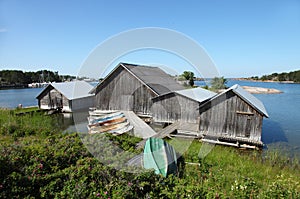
[
  {"x": 141, "y": 129},
  {"x": 190, "y": 129},
  {"x": 165, "y": 132}
]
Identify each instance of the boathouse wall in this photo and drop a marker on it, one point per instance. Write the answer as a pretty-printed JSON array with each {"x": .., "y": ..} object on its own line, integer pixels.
[
  {"x": 81, "y": 103},
  {"x": 52, "y": 99},
  {"x": 232, "y": 115},
  {"x": 122, "y": 91},
  {"x": 229, "y": 116},
  {"x": 174, "y": 107}
]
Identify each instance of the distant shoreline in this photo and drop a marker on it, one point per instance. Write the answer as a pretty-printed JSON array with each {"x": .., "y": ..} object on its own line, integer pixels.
[
  {"x": 3, "y": 87},
  {"x": 267, "y": 81}
]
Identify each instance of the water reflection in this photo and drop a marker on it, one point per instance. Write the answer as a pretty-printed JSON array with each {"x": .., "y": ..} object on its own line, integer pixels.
[
  {"x": 74, "y": 122},
  {"x": 273, "y": 132}
]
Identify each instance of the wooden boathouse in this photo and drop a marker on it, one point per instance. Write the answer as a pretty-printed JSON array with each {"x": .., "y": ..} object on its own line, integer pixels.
[
  {"x": 232, "y": 117},
  {"x": 66, "y": 96},
  {"x": 131, "y": 87},
  {"x": 182, "y": 105}
]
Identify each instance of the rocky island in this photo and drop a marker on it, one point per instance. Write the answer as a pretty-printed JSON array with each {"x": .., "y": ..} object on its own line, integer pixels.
[{"x": 261, "y": 90}]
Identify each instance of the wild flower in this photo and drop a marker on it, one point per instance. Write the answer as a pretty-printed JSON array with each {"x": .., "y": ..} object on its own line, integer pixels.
[{"x": 41, "y": 166}]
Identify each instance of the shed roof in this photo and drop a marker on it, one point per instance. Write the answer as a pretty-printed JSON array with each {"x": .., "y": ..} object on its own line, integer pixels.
[
  {"x": 71, "y": 90},
  {"x": 153, "y": 77},
  {"x": 197, "y": 94},
  {"x": 248, "y": 97}
]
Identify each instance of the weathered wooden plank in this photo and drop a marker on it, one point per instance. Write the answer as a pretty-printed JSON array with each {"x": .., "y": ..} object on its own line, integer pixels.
[
  {"x": 245, "y": 113},
  {"x": 173, "y": 107},
  {"x": 53, "y": 99},
  {"x": 122, "y": 91},
  {"x": 229, "y": 116}
]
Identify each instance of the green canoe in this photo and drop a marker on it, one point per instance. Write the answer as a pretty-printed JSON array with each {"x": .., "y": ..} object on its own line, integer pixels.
[{"x": 160, "y": 156}]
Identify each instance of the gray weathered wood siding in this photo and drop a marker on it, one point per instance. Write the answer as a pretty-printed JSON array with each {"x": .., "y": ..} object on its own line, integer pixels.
[
  {"x": 82, "y": 103},
  {"x": 173, "y": 107},
  {"x": 122, "y": 91},
  {"x": 230, "y": 116},
  {"x": 52, "y": 99}
]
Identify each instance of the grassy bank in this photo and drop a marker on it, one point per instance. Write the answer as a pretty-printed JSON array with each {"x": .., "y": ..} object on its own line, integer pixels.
[
  {"x": 234, "y": 173},
  {"x": 59, "y": 165},
  {"x": 18, "y": 123}
]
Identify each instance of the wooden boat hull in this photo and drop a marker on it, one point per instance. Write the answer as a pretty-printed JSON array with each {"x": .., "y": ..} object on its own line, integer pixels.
[
  {"x": 115, "y": 123},
  {"x": 101, "y": 112},
  {"x": 109, "y": 122},
  {"x": 102, "y": 129},
  {"x": 122, "y": 130},
  {"x": 104, "y": 116},
  {"x": 103, "y": 119}
]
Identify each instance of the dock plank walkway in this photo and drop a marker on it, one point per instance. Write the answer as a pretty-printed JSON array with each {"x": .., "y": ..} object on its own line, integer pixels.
[
  {"x": 141, "y": 129},
  {"x": 191, "y": 127},
  {"x": 165, "y": 132}
]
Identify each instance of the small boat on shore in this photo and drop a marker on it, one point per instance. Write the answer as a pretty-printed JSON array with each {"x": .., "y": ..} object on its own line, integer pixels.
[
  {"x": 145, "y": 117},
  {"x": 112, "y": 122},
  {"x": 101, "y": 112},
  {"x": 100, "y": 129},
  {"x": 109, "y": 128},
  {"x": 115, "y": 120},
  {"x": 126, "y": 129},
  {"x": 160, "y": 156},
  {"x": 94, "y": 120}
]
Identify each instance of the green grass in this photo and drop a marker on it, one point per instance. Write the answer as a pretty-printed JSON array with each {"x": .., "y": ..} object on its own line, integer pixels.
[
  {"x": 26, "y": 110},
  {"x": 232, "y": 172},
  {"x": 35, "y": 123},
  {"x": 57, "y": 165}
]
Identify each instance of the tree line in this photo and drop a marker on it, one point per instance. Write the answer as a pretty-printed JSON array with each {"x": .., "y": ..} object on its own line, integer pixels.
[
  {"x": 217, "y": 83},
  {"x": 20, "y": 78},
  {"x": 290, "y": 76}
]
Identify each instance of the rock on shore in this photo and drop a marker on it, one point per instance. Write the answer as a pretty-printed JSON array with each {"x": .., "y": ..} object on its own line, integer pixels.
[{"x": 260, "y": 90}]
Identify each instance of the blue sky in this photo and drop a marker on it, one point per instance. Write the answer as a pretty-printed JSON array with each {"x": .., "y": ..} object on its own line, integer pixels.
[{"x": 244, "y": 38}]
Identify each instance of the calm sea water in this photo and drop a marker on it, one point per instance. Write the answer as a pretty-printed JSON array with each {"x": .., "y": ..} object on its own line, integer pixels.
[
  {"x": 281, "y": 130},
  {"x": 11, "y": 98}
]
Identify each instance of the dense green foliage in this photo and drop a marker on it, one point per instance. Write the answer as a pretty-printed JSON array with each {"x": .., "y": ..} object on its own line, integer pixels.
[
  {"x": 189, "y": 76},
  {"x": 218, "y": 83},
  {"x": 60, "y": 166},
  {"x": 291, "y": 76},
  {"x": 191, "y": 80},
  {"x": 17, "y": 77}
]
